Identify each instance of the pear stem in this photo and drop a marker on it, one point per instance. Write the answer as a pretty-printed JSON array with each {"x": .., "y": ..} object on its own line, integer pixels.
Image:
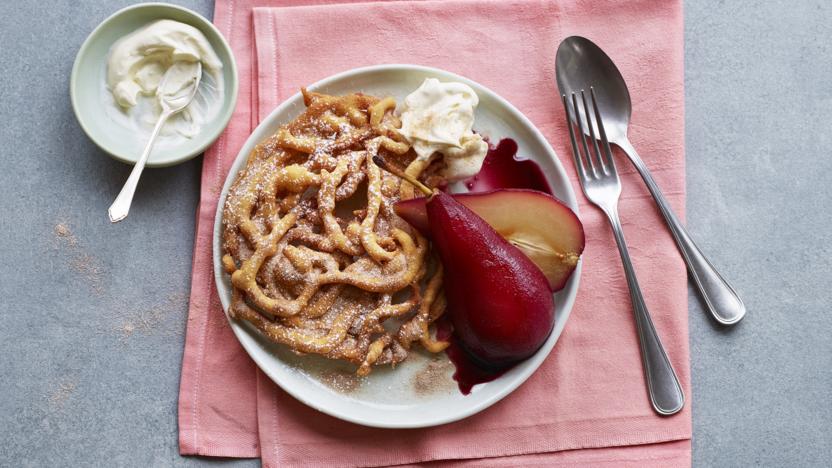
[{"x": 380, "y": 162}]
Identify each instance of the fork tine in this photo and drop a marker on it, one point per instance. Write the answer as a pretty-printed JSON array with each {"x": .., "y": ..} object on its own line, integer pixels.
[
  {"x": 579, "y": 165},
  {"x": 601, "y": 131},
  {"x": 580, "y": 125},
  {"x": 601, "y": 166}
]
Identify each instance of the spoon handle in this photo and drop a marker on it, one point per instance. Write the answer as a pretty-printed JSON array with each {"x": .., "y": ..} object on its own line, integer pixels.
[
  {"x": 721, "y": 300},
  {"x": 121, "y": 206}
]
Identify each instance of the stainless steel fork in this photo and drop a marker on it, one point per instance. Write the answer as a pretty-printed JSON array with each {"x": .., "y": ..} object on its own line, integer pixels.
[{"x": 601, "y": 185}]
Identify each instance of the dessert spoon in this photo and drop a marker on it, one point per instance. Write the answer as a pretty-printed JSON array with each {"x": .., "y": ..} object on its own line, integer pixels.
[
  {"x": 176, "y": 90},
  {"x": 580, "y": 64}
]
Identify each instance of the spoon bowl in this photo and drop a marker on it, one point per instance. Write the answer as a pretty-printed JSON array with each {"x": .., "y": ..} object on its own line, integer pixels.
[{"x": 581, "y": 64}]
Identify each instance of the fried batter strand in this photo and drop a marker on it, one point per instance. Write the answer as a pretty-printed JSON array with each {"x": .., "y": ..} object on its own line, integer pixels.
[{"x": 318, "y": 260}]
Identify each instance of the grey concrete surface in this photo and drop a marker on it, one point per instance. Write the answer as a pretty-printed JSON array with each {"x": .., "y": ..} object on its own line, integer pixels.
[{"x": 93, "y": 315}]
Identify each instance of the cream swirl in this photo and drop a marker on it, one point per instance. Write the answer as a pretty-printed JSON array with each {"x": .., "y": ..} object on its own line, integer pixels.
[
  {"x": 439, "y": 118},
  {"x": 139, "y": 60}
]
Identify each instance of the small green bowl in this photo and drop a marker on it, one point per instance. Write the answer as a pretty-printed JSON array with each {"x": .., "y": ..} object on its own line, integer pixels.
[{"x": 89, "y": 71}]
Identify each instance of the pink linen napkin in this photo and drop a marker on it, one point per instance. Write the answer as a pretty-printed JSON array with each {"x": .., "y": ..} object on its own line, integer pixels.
[{"x": 589, "y": 394}]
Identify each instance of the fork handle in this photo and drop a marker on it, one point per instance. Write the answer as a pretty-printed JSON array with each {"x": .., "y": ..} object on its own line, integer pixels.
[
  {"x": 662, "y": 384},
  {"x": 721, "y": 300}
]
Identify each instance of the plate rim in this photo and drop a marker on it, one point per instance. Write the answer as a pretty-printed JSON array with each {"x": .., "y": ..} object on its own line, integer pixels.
[{"x": 535, "y": 361}]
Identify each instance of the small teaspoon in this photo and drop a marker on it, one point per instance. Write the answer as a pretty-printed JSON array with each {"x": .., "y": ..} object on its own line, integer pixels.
[{"x": 176, "y": 90}]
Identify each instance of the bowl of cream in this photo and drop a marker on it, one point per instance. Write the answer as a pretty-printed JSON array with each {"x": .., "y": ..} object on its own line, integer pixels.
[{"x": 118, "y": 70}]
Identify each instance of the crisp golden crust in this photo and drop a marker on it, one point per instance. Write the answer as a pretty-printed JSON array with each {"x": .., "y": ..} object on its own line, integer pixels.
[{"x": 318, "y": 259}]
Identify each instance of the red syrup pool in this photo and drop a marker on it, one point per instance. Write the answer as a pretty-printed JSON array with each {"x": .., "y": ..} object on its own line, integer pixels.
[
  {"x": 467, "y": 372},
  {"x": 500, "y": 170}
]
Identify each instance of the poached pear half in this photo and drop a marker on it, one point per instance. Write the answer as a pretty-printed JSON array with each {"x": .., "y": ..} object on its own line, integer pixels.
[{"x": 499, "y": 301}]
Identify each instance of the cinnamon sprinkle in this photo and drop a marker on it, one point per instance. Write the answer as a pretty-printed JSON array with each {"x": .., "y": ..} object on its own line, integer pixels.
[
  {"x": 81, "y": 262},
  {"x": 61, "y": 393},
  {"x": 62, "y": 230},
  {"x": 151, "y": 320},
  {"x": 434, "y": 377}
]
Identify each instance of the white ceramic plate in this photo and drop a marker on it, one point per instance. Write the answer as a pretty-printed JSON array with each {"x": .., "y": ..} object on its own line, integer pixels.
[{"x": 418, "y": 392}]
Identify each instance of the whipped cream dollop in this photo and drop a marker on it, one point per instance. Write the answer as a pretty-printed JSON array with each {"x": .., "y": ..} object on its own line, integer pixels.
[
  {"x": 139, "y": 60},
  {"x": 438, "y": 118},
  {"x": 134, "y": 71}
]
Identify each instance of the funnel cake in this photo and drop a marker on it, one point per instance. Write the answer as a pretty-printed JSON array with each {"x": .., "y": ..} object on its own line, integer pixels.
[{"x": 318, "y": 259}]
